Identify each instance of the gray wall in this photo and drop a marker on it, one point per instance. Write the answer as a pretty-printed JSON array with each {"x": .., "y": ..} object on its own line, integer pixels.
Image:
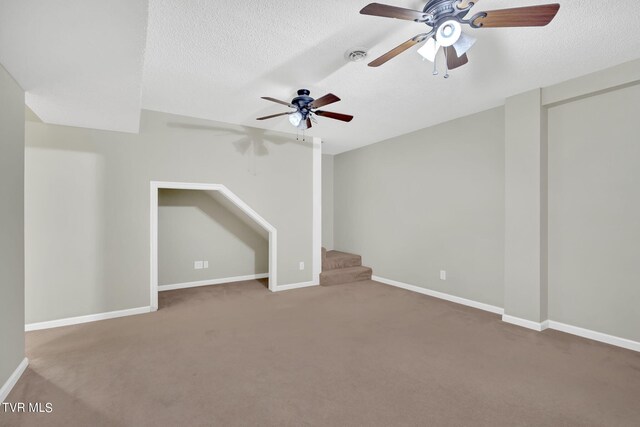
[
  {"x": 87, "y": 204},
  {"x": 594, "y": 213},
  {"x": 327, "y": 201},
  {"x": 435, "y": 199},
  {"x": 11, "y": 225},
  {"x": 525, "y": 286},
  {"x": 193, "y": 226},
  {"x": 429, "y": 201}
]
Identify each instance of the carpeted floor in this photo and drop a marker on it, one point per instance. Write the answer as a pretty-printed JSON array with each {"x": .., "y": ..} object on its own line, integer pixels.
[{"x": 361, "y": 354}]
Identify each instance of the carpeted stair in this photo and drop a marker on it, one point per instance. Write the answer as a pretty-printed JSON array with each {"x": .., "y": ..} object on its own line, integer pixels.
[{"x": 341, "y": 267}]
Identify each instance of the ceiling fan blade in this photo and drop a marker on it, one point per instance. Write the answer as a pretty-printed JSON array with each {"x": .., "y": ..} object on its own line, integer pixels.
[
  {"x": 272, "y": 116},
  {"x": 386, "y": 11},
  {"x": 430, "y": 49},
  {"x": 464, "y": 43},
  {"x": 393, "y": 53},
  {"x": 325, "y": 100},
  {"x": 268, "y": 98},
  {"x": 531, "y": 16},
  {"x": 304, "y": 124},
  {"x": 453, "y": 60},
  {"x": 336, "y": 116}
]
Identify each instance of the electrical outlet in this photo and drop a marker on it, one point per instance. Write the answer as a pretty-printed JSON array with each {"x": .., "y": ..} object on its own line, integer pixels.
[
  {"x": 301, "y": 265},
  {"x": 443, "y": 275},
  {"x": 206, "y": 264},
  {"x": 197, "y": 265}
]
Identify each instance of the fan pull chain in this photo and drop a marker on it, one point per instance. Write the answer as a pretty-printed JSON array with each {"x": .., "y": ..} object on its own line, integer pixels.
[
  {"x": 435, "y": 66},
  {"x": 304, "y": 138},
  {"x": 446, "y": 64}
]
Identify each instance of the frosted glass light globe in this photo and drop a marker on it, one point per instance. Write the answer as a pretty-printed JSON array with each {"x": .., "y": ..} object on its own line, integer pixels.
[{"x": 295, "y": 118}]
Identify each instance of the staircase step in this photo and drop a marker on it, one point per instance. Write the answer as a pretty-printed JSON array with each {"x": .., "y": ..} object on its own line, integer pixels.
[
  {"x": 345, "y": 275},
  {"x": 335, "y": 259}
]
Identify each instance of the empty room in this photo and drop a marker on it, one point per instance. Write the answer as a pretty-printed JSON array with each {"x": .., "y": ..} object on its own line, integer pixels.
[{"x": 330, "y": 213}]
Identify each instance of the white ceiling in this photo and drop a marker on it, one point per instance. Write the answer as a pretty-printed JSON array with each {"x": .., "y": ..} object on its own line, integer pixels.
[
  {"x": 79, "y": 61},
  {"x": 82, "y": 61}
]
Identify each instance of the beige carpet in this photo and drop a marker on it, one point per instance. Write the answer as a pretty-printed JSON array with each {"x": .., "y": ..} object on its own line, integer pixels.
[{"x": 361, "y": 354}]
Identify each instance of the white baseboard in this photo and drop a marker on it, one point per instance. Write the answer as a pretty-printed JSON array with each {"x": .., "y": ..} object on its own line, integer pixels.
[
  {"x": 573, "y": 330},
  {"x": 85, "y": 319},
  {"x": 529, "y": 324},
  {"x": 13, "y": 379},
  {"x": 440, "y": 295},
  {"x": 280, "y": 288},
  {"x": 212, "y": 282},
  {"x": 596, "y": 336}
]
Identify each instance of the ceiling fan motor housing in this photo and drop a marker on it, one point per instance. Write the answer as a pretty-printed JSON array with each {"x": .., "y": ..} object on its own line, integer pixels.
[
  {"x": 438, "y": 8},
  {"x": 440, "y": 11},
  {"x": 302, "y": 101}
]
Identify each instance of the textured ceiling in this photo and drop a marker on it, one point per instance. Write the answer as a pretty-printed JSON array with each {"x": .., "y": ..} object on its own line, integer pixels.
[
  {"x": 79, "y": 61},
  {"x": 214, "y": 59}
]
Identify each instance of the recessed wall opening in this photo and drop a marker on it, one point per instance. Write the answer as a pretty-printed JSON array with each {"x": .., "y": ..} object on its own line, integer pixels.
[
  {"x": 203, "y": 239},
  {"x": 203, "y": 234}
]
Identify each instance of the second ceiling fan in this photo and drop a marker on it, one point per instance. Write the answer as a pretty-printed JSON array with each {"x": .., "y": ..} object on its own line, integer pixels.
[
  {"x": 445, "y": 19},
  {"x": 305, "y": 107}
]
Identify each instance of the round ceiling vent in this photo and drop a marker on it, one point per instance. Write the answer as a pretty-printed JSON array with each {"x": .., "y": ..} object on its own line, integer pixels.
[{"x": 356, "y": 55}]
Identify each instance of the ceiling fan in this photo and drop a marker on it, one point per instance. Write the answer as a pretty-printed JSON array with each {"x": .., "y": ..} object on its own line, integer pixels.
[
  {"x": 305, "y": 109},
  {"x": 445, "y": 19}
]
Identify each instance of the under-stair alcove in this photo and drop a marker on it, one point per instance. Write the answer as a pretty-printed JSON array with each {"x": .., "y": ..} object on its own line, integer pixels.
[
  {"x": 201, "y": 241},
  {"x": 202, "y": 234}
]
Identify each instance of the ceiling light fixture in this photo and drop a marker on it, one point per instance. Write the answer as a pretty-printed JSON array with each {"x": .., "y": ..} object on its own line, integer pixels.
[
  {"x": 295, "y": 118},
  {"x": 430, "y": 49},
  {"x": 306, "y": 108},
  {"x": 464, "y": 43},
  {"x": 448, "y": 33},
  {"x": 449, "y": 36},
  {"x": 445, "y": 18}
]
